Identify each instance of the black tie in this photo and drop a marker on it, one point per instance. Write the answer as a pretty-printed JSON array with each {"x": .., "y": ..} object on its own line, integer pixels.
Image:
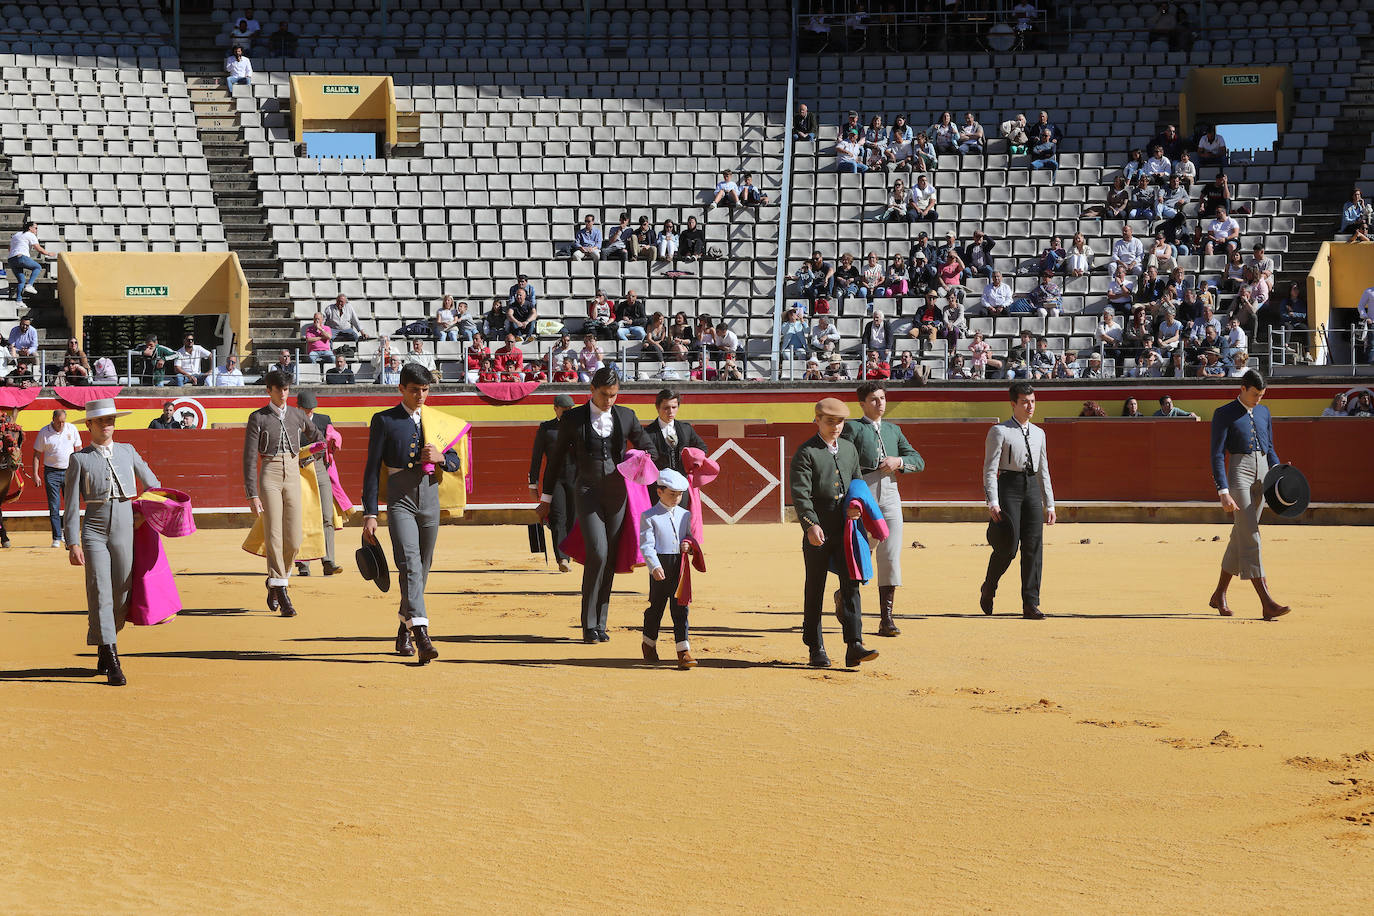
[{"x": 1030, "y": 465}]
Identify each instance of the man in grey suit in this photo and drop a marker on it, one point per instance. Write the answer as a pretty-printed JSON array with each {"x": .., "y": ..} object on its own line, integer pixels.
[
  {"x": 106, "y": 474},
  {"x": 307, "y": 402}
]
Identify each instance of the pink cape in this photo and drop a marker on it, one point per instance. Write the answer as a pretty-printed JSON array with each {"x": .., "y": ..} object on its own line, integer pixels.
[
  {"x": 333, "y": 438},
  {"x": 637, "y": 468},
  {"x": 153, "y": 597},
  {"x": 78, "y": 395},
  {"x": 506, "y": 392},
  {"x": 700, "y": 471}
]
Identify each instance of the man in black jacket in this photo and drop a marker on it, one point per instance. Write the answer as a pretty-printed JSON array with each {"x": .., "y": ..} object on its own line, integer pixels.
[
  {"x": 561, "y": 506},
  {"x": 594, "y": 437},
  {"x": 692, "y": 245},
  {"x": 977, "y": 256},
  {"x": 670, "y": 436}
]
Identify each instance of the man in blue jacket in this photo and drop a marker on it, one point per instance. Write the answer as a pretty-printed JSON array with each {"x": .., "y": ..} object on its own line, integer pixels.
[{"x": 1242, "y": 454}]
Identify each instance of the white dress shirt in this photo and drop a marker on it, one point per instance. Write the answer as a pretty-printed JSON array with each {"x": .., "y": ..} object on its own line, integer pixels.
[
  {"x": 603, "y": 422},
  {"x": 1005, "y": 450},
  {"x": 669, "y": 432}
]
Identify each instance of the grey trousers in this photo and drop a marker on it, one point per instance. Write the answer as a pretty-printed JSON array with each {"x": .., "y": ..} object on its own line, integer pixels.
[
  {"x": 1246, "y": 477},
  {"x": 412, "y": 518},
  {"x": 600, "y": 516},
  {"x": 107, "y": 540},
  {"x": 326, "y": 509},
  {"x": 887, "y": 554}
]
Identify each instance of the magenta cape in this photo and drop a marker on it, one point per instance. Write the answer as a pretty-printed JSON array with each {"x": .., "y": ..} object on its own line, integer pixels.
[
  {"x": 700, "y": 471},
  {"x": 153, "y": 597},
  {"x": 637, "y": 471}
]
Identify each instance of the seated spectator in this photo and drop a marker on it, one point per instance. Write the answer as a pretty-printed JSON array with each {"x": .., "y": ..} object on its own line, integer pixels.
[
  {"x": 660, "y": 340},
  {"x": 1360, "y": 232},
  {"x": 629, "y": 317},
  {"x": 20, "y": 260},
  {"x": 701, "y": 371},
  {"x": 958, "y": 368},
  {"x": 1014, "y": 132},
  {"x": 534, "y": 372},
  {"x": 1121, "y": 289},
  {"x": 944, "y": 134},
  {"x": 703, "y": 336},
  {"x": 981, "y": 358},
  {"x": 877, "y": 335},
  {"x": 836, "y": 371},
  {"x": 1337, "y": 407},
  {"x": 1232, "y": 273},
  {"x": 804, "y": 125},
  {"x": 1134, "y": 167},
  {"x": 900, "y": 152},
  {"x": 792, "y": 337},
  {"x": 875, "y": 367},
  {"x": 1159, "y": 167},
  {"x": 921, "y": 276},
  {"x": 487, "y": 372},
  {"x": 189, "y": 365},
  {"x": 899, "y": 204},
  {"x": 668, "y": 242},
  {"x": 727, "y": 192},
  {"x": 1109, "y": 334},
  {"x": 1234, "y": 339},
  {"x": 873, "y": 140},
  {"x": 749, "y": 193},
  {"x": 1144, "y": 199},
  {"x": 444, "y": 321},
  {"x": 824, "y": 332},
  {"x": 1053, "y": 257},
  {"x": 509, "y": 357},
  {"x": 681, "y": 329},
  {"x": 693, "y": 241},
  {"x": 567, "y": 371},
  {"x": 168, "y": 418},
  {"x": 896, "y": 279},
  {"x": 1210, "y": 364},
  {"x": 1044, "y": 154},
  {"x": 1118, "y": 200},
  {"x": 1215, "y": 196},
  {"x": 1169, "y": 142},
  {"x": 521, "y": 316},
  {"x": 1019, "y": 357},
  {"x": 343, "y": 321},
  {"x": 73, "y": 372},
  {"x": 241, "y": 36},
  {"x": 997, "y": 296},
  {"x": 924, "y": 199},
  {"x": 645, "y": 240},
  {"x": 813, "y": 372},
  {"x": 1223, "y": 233},
  {"x": 1093, "y": 370},
  {"x": 951, "y": 272},
  {"x": 1356, "y": 210},
  {"x": 496, "y": 320},
  {"x": 1043, "y": 123},
  {"x": 849, "y": 153},
  {"x": 1211, "y": 148},
  {"x": 228, "y": 375},
  {"x": 587, "y": 240},
  {"x": 928, "y": 250},
  {"x": 1127, "y": 252},
  {"x": 731, "y": 370},
  {"x": 239, "y": 69},
  {"x": 848, "y": 282},
  {"x": 151, "y": 360},
  {"x": 1042, "y": 360},
  {"x": 339, "y": 373},
  {"x": 871, "y": 276},
  {"x": 977, "y": 256},
  {"x": 82, "y": 369},
  {"x": 850, "y": 122},
  {"x": 1262, "y": 265},
  {"x": 590, "y": 358},
  {"x": 476, "y": 352},
  {"x": 905, "y": 369},
  {"x": 923, "y": 153},
  {"x": 1169, "y": 333},
  {"x": 1079, "y": 257},
  {"x": 1045, "y": 300},
  {"x": 1167, "y": 409},
  {"x": 726, "y": 341},
  {"x": 418, "y": 355},
  {"x": 1150, "y": 287},
  {"x": 616, "y": 246},
  {"x": 925, "y": 326},
  {"x": 318, "y": 339},
  {"x": 1171, "y": 201},
  {"x": 600, "y": 315},
  {"x": 103, "y": 372},
  {"x": 1239, "y": 363},
  {"x": 1185, "y": 171},
  {"x": 900, "y": 131},
  {"x": 1292, "y": 309},
  {"x": 1092, "y": 408},
  {"x": 953, "y": 324},
  {"x": 282, "y": 42},
  {"x": 971, "y": 136}
]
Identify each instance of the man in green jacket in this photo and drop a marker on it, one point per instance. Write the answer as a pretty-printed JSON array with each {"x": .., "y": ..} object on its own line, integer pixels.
[
  {"x": 821, "y": 472},
  {"x": 883, "y": 454}
]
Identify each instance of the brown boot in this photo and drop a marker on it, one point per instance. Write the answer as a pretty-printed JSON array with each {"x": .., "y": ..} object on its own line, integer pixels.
[
  {"x": 886, "y": 625},
  {"x": 685, "y": 660},
  {"x": 1269, "y": 608},
  {"x": 650, "y": 651}
]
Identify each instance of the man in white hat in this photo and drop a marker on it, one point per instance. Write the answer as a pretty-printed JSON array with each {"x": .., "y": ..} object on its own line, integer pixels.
[{"x": 105, "y": 474}]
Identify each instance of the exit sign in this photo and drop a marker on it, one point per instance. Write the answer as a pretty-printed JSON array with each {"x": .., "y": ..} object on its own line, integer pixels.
[
  {"x": 353, "y": 90},
  {"x": 1241, "y": 79},
  {"x": 145, "y": 292}
]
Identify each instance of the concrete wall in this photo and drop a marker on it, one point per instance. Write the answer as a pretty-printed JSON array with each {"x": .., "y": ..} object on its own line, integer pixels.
[{"x": 1210, "y": 92}]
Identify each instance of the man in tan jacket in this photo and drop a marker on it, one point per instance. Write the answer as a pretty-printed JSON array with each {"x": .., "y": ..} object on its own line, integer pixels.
[{"x": 272, "y": 481}]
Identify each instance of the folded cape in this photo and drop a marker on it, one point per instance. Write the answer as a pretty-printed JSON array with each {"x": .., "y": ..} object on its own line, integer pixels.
[
  {"x": 637, "y": 471},
  {"x": 700, "y": 471},
  {"x": 691, "y": 557},
  {"x": 312, "y": 525},
  {"x": 857, "y": 559},
  {"x": 153, "y": 595}
]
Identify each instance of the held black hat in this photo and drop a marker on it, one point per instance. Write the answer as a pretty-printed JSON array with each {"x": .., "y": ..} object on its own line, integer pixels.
[
  {"x": 372, "y": 565},
  {"x": 1286, "y": 490}
]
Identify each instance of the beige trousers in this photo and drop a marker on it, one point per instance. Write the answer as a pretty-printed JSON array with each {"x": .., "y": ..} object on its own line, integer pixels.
[
  {"x": 1246, "y": 477},
  {"x": 279, "y": 488}
]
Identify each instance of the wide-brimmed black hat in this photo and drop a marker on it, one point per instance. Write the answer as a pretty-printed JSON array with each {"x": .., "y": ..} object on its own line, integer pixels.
[
  {"x": 372, "y": 565},
  {"x": 1286, "y": 490}
]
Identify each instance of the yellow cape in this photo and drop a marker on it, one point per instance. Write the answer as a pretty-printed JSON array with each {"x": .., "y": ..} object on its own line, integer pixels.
[
  {"x": 312, "y": 522},
  {"x": 445, "y": 431}
]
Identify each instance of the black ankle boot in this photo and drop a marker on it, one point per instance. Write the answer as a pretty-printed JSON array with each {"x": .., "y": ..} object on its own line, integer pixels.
[
  {"x": 102, "y": 660},
  {"x": 287, "y": 608},
  {"x": 114, "y": 675},
  {"x": 423, "y": 647},
  {"x": 403, "y": 644}
]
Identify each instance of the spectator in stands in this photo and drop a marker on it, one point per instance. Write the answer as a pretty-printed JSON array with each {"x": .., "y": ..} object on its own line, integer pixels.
[
  {"x": 1209, "y": 364},
  {"x": 726, "y": 341},
  {"x": 750, "y": 195},
  {"x": 923, "y": 153},
  {"x": 1292, "y": 310},
  {"x": 849, "y": 153},
  {"x": 1118, "y": 199},
  {"x": 836, "y": 371},
  {"x": 1045, "y": 300},
  {"x": 645, "y": 240},
  {"x": 693, "y": 241},
  {"x": 921, "y": 276},
  {"x": 1091, "y": 408},
  {"x": 339, "y": 373},
  {"x": 1019, "y": 357},
  {"x": 1159, "y": 167},
  {"x": 1121, "y": 288},
  {"x": 476, "y": 351},
  {"x": 1239, "y": 364},
  {"x": 1172, "y": 201},
  {"x": 971, "y": 136},
  {"x": 1042, "y": 360},
  {"x": 1211, "y": 148},
  {"x": 951, "y": 273},
  {"x": 958, "y": 368},
  {"x": 1234, "y": 339},
  {"x": 1043, "y": 123},
  {"x": 731, "y": 370},
  {"x": 804, "y": 125},
  {"x": 1144, "y": 199},
  {"x": 924, "y": 199},
  {"x": 1014, "y": 132},
  {"x": 668, "y": 242},
  {"x": 22, "y": 245},
  {"x": 390, "y": 373},
  {"x": 850, "y": 122},
  {"x": 317, "y": 341},
  {"x": 659, "y": 339},
  {"x": 1185, "y": 171},
  {"x": 629, "y": 317},
  {"x": 703, "y": 336},
  {"x": 239, "y": 69},
  {"x": 944, "y": 134},
  {"x": 904, "y": 369},
  {"x": 618, "y": 240},
  {"x": 1127, "y": 252},
  {"x": 824, "y": 332},
  {"x": 1359, "y": 232},
  {"x": 1093, "y": 370},
  {"x": 980, "y": 357},
  {"x": 1053, "y": 257},
  {"x": 1356, "y": 209},
  {"x": 1169, "y": 142},
  {"x": 1150, "y": 287},
  {"x": 813, "y": 371},
  {"x": 286, "y": 365},
  {"x": 901, "y": 148},
  {"x": 1169, "y": 333},
  {"x": 1263, "y": 265},
  {"x": 600, "y": 315},
  {"x": 1134, "y": 167},
  {"x": 977, "y": 256},
  {"x": 590, "y": 358},
  {"x": 1337, "y": 408},
  {"x": 1079, "y": 257},
  {"x": 496, "y": 320},
  {"x": 534, "y": 372},
  {"x": 189, "y": 366},
  {"x": 871, "y": 276},
  {"x": 417, "y": 354},
  {"x": 487, "y": 372},
  {"x": 167, "y": 419},
  {"x": 22, "y": 344},
  {"x": 1222, "y": 233},
  {"x": 83, "y": 364},
  {"x": 899, "y": 204},
  {"x": 1044, "y": 154},
  {"x": 153, "y": 360},
  {"x": 343, "y": 321},
  {"x": 522, "y": 284},
  {"x": 682, "y": 330},
  {"x": 848, "y": 282},
  {"x": 1215, "y": 196},
  {"x": 587, "y": 240},
  {"x": 444, "y": 322},
  {"x": 878, "y": 334},
  {"x": 997, "y": 296},
  {"x": 1363, "y": 405},
  {"x": 953, "y": 323},
  {"x": 1167, "y": 409},
  {"x": 875, "y": 367},
  {"x": 1109, "y": 334},
  {"x": 242, "y": 36},
  {"x": 792, "y": 334},
  {"x": 282, "y": 42},
  {"x": 1233, "y": 272},
  {"x": 896, "y": 280},
  {"x": 567, "y": 371},
  {"x": 874, "y": 143},
  {"x": 521, "y": 316}
]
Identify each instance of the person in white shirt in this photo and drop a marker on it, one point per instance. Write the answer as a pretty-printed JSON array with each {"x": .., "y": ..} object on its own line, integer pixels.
[
  {"x": 824, "y": 331},
  {"x": 1127, "y": 252},
  {"x": 229, "y": 375},
  {"x": 418, "y": 355},
  {"x": 52, "y": 452},
  {"x": 727, "y": 341},
  {"x": 665, "y": 536},
  {"x": 1080, "y": 256},
  {"x": 239, "y": 68},
  {"x": 1211, "y": 148},
  {"x": 1158, "y": 168},
  {"x": 726, "y": 191},
  {"x": 22, "y": 246},
  {"x": 923, "y": 199},
  {"x": 997, "y": 296},
  {"x": 103, "y": 372},
  {"x": 971, "y": 136},
  {"x": 343, "y": 321},
  {"x": 189, "y": 362},
  {"x": 849, "y": 153},
  {"x": 1223, "y": 232},
  {"x": 1235, "y": 339}
]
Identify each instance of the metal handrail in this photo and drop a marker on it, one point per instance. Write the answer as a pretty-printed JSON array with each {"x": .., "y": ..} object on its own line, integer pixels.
[{"x": 784, "y": 203}]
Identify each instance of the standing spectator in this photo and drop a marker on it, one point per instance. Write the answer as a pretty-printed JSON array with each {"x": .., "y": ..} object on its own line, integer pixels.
[
  {"x": 22, "y": 246},
  {"x": 849, "y": 155},
  {"x": 1127, "y": 252},
  {"x": 645, "y": 240},
  {"x": 153, "y": 359},
  {"x": 339, "y": 373},
  {"x": 318, "y": 337},
  {"x": 980, "y": 356},
  {"x": 618, "y": 240},
  {"x": 239, "y": 68},
  {"x": 52, "y": 451},
  {"x": 168, "y": 418},
  {"x": 978, "y": 260},
  {"x": 1044, "y": 154},
  {"x": 805, "y": 125},
  {"x": 997, "y": 296},
  {"x": 924, "y": 200},
  {"x": 1211, "y": 148},
  {"x": 693, "y": 241},
  {"x": 521, "y": 316},
  {"x": 1356, "y": 209},
  {"x": 727, "y": 192},
  {"x": 629, "y": 317},
  {"x": 667, "y": 241},
  {"x": 587, "y": 241},
  {"x": 229, "y": 375},
  {"x": 343, "y": 321},
  {"x": 944, "y": 134}
]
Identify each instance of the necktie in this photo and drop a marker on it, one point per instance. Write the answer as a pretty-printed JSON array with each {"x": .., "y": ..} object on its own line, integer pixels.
[{"x": 1030, "y": 464}]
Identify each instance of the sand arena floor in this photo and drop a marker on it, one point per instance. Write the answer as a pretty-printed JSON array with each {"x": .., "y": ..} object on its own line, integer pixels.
[{"x": 1134, "y": 754}]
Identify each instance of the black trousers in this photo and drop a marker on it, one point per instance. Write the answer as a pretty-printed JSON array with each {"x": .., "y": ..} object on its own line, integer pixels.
[
  {"x": 1022, "y": 526},
  {"x": 661, "y": 594},
  {"x": 600, "y": 514},
  {"x": 560, "y": 516},
  {"x": 817, "y": 561}
]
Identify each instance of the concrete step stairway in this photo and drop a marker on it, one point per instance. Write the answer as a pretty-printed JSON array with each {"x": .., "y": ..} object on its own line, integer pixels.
[
  {"x": 271, "y": 321},
  {"x": 43, "y": 309}
]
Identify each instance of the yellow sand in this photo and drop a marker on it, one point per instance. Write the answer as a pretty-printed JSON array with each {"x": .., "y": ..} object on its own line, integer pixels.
[{"x": 1134, "y": 754}]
